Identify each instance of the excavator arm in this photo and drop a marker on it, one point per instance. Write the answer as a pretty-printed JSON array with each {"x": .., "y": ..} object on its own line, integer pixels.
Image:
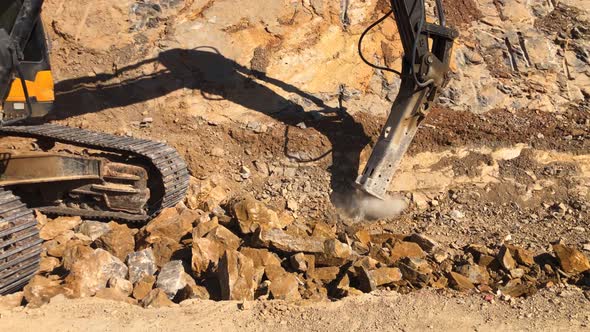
[{"x": 427, "y": 51}]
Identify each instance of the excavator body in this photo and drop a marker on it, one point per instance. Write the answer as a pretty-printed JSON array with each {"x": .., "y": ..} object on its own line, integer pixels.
[{"x": 60, "y": 170}]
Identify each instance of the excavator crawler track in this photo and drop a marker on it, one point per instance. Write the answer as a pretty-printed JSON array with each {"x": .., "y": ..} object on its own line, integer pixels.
[
  {"x": 171, "y": 168},
  {"x": 20, "y": 245}
]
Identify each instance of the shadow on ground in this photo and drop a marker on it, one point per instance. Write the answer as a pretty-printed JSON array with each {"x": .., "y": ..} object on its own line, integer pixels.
[{"x": 219, "y": 78}]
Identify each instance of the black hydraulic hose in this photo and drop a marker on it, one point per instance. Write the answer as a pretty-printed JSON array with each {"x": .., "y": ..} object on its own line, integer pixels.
[
  {"x": 360, "y": 45},
  {"x": 441, "y": 13}
]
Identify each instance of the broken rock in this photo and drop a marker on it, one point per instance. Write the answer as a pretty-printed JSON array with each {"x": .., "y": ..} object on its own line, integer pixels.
[
  {"x": 570, "y": 259},
  {"x": 172, "y": 278},
  {"x": 460, "y": 282},
  {"x": 40, "y": 290},
  {"x": 522, "y": 255},
  {"x": 11, "y": 301},
  {"x": 143, "y": 287},
  {"x": 169, "y": 224},
  {"x": 163, "y": 248},
  {"x": 283, "y": 285},
  {"x": 505, "y": 259},
  {"x": 298, "y": 262},
  {"x": 58, "y": 226},
  {"x": 205, "y": 255},
  {"x": 48, "y": 264},
  {"x": 225, "y": 237},
  {"x": 326, "y": 252},
  {"x": 424, "y": 242},
  {"x": 406, "y": 249},
  {"x": 280, "y": 240},
  {"x": 385, "y": 275},
  {"x": 253, "y": 215},
  {"x": 141, "y": 264},
  {"x": 121, "y": 284},
  {"x": 236, "y": 276},
  {"x": 205, "y": 226},
  {"x": 156, "y": 298},
  {"x": 325, "y": 274},
  {"x": 93, "y": 229},
  {"x": 118, "y": 240},
  {"x": 87, "y": 276},
  {"x": 114, "y": 294},
  {"x": 475, "y": 273}
]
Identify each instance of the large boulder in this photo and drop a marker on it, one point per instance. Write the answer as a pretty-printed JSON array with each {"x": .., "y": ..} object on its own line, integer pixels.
[
  {"x": 141, "y": 263},
  {"x": 169, "y": 224},
  {"x": 91, "y": 272},
  {"x": 205, "y": 255},
  {"x": 236, "y": 276},
  {"x": 173, "y": 278},
  {"x": 118, "y": 240},
  {"x": 283, "y": 285},
  {"x": 224, "y": 237}
]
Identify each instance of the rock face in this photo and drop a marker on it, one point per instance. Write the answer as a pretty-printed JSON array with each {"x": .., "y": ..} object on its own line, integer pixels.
[
  {"x": 90, "y": 273},
  {"x": 118, "y": 240},
  {"x": 141, "y": 263},
  {"x": 58, "y": 226},
  {"x": 173, "y": 278},
  {"x": 236, "y": 276},
  {"x": 570, "y": 259}
]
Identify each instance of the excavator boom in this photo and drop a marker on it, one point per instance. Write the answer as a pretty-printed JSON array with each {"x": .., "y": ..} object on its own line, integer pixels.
[{"x": 425, "y": 67}]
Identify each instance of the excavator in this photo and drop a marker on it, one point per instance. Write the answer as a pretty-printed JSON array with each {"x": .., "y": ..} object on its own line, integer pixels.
[{"x": 60, "y": 170}]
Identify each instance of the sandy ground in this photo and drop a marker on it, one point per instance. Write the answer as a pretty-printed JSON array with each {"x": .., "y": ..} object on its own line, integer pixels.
[{"x": 383, "y": 311}]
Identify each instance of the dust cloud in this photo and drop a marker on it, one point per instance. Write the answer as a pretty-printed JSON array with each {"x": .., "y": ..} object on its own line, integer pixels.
[{"x": 363, "y": 207}]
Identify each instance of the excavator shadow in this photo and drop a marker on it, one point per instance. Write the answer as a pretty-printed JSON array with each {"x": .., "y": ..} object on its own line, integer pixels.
[{"x": 216, "y": 77}]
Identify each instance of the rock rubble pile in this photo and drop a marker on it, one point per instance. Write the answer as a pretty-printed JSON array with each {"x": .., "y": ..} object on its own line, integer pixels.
[{"x": 253, "y": 252}]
